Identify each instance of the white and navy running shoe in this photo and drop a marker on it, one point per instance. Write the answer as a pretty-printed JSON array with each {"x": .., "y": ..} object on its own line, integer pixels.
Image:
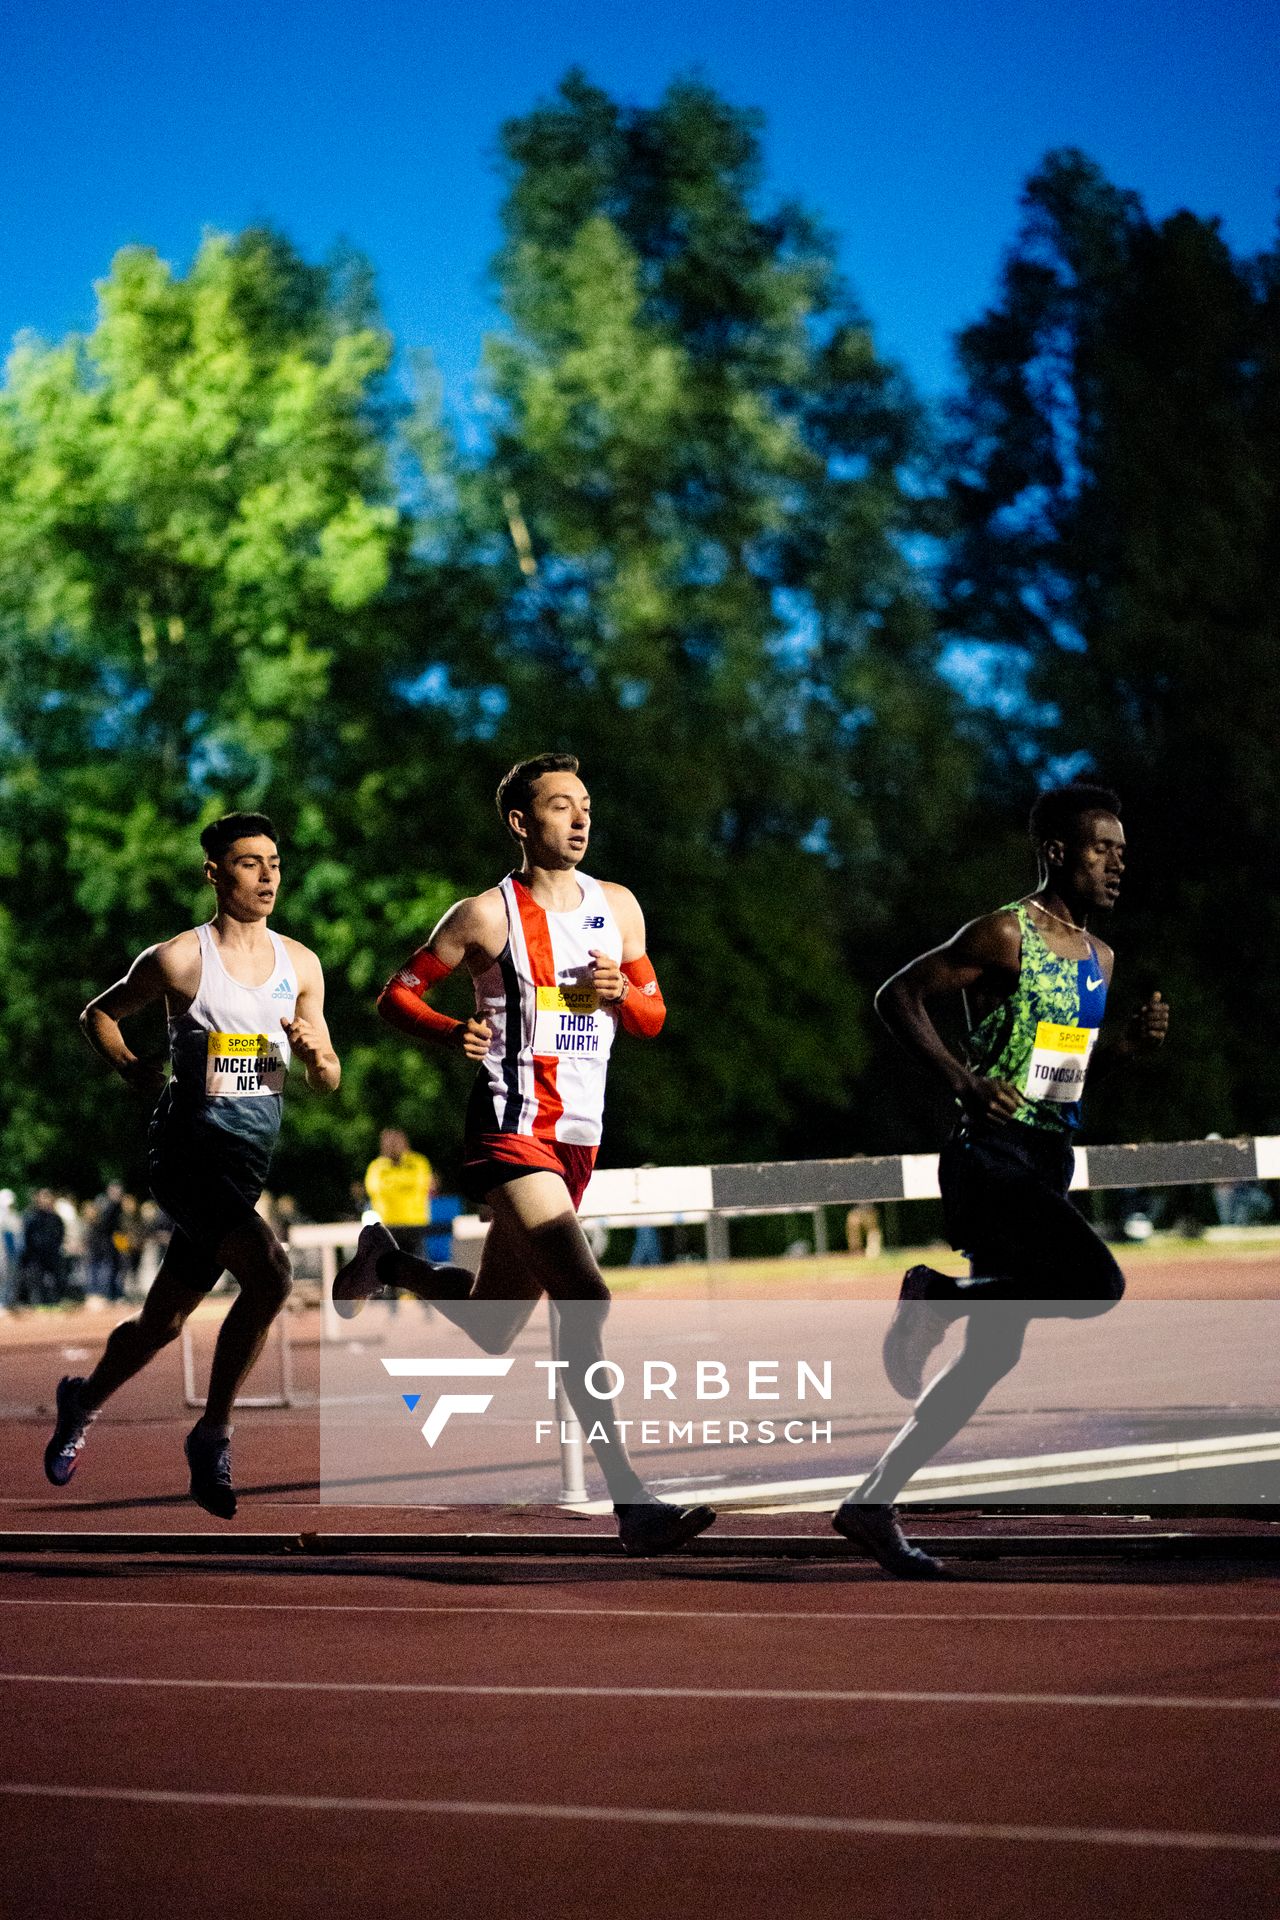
[
  {"x": 209, "y": 1458},
  {"x": 875, "y": 1528},
  {"x": 62, "y": 1455},
  {"x": 358, "y": 1281}
]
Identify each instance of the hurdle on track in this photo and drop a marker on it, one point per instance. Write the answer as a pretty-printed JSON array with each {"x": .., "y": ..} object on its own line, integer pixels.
[{"x": 712, "y": 1196}]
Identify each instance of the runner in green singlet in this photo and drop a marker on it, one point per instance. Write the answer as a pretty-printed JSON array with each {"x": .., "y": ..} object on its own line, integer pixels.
[{"x": 1034, "y": 982}]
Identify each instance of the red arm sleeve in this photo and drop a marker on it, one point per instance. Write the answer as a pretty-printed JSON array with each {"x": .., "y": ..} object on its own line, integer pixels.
[
  {"x": 642, "y": 1009},
  {"x": 402, "y": 1004}
]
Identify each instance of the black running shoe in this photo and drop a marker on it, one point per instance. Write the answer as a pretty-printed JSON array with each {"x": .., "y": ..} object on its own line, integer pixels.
[
  {"x": 915, "y": 1330},
  {"x": 651, "y": 1526},
  {"x": 209, "y": 1458},
  {"x": 876, "y": 1529},
  {"x": 62, "y": 1455},
  {"x": 358, "y": 1281}
]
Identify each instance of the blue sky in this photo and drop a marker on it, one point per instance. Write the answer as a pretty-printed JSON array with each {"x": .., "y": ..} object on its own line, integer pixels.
[{"x": 909, "y": 125}]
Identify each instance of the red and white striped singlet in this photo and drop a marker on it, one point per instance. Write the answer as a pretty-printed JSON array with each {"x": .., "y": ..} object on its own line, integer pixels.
[{"x": 545, "y": 1072}]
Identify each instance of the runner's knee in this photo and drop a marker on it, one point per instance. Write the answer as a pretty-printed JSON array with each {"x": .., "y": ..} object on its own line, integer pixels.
[
  {"x": 584, "y": 1287},
  {"x": 272, "y": 1280},
  {"x": 279, "y": 1276},
  {"x": 993, "y": 1341},
  {"x": 582, "y": 1323},
  {"x": 495, "y": 1335},
  {"x": 159, "y": 1327}
]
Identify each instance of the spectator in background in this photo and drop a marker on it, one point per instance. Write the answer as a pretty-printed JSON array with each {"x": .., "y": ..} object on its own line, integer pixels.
[
  {"x": 399, "y": 1183},
  {"x": 73, "y": 1244},
  {"x": 10, "y": 1247},
  {"x": 40, "y": 1265},
  {"x": 646, "y": 1248},
  {"x": 156, "y": 1229},
  {"x": 862, "y": 1234},
  {"x": 106, "y": 1242}
]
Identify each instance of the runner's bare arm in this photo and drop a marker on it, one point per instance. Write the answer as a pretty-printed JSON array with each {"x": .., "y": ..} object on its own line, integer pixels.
[
  {"x": 630, "y": 984},
  {"x": 170, "y": 967},
  {"x": 985, "y": 956},
  {"x": 472, "y": 934},
  {"x": 308, "y": 1032}
]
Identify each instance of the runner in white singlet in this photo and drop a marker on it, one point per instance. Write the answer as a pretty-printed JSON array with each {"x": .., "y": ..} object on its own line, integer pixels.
[
  {"x": 558, "y": 964},
  {"x": 241, "y": 1001}
]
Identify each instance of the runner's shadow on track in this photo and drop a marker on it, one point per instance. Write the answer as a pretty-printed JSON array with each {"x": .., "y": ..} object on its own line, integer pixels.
[{"x": 853, "y": 1572}]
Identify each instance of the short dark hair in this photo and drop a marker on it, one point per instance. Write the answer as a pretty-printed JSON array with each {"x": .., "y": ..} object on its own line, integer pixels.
[
  {"x": 515, "y": 789},
  {"x": 221, "y": 834},
  {"x": 1059, "y": 809}
]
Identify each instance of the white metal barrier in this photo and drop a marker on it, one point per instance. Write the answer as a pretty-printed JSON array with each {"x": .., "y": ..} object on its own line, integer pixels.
[
  {"x": 277, "y": 1339},
  {"x": 711, "y": 1196}
]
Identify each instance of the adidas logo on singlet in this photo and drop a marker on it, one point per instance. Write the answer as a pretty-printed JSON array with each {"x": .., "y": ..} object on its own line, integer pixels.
[{"x": 284, "y": 991}]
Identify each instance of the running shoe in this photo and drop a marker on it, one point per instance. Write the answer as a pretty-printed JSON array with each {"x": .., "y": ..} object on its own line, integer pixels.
[
  {"x": 358, "y": 1281},
  {"x": 876, "y": 1529},
  {"x": 209, "y": 1458},
  {"x": 915, "y": 1330},
  {"x": 62, "y": 1455},
  {"x": 651, "y": 1526}
]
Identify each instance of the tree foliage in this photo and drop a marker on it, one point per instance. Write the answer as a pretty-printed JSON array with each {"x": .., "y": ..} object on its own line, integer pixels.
[
  {"x": 1117, "y": 504},
  {"x": 198, "y": 546}
]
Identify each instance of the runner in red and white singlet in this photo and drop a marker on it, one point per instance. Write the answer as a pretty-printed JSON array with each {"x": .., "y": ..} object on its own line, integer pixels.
[
  {"x": 539, "y": 1097},
  {"x": 558, "y": 964}
]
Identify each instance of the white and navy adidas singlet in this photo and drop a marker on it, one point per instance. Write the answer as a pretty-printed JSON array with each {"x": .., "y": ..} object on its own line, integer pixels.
[
  {"x": 230, "y": 1052},
  {"x": 211, "y": 1136},
  {"x": 543, "y": 1079}
]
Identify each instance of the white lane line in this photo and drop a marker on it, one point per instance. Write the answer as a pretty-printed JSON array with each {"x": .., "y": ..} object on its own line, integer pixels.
[
  {"x": 829, "y": 1696},
  {"x": 655, "y": 1613},
  {"x": 837, "y": 1824}
]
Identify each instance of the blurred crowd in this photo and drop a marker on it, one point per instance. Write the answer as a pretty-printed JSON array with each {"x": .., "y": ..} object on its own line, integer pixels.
[
  {"x": 60, "y": 1251},
  {"x": 58, "y": 1248}
]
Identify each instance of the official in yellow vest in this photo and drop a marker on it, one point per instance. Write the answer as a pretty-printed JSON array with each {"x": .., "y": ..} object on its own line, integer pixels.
[{"x": 399, "y": 1183}]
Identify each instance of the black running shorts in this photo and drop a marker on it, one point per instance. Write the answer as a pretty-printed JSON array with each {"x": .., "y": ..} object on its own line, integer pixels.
[
  {"x": 1004, "y": 1198},
  {"x": 207, "y": 1196}
]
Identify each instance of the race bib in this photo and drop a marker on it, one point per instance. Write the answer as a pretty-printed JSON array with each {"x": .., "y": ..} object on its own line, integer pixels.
[
  {"x": 1059, "y": 1062},
  {"x": 239, "y": 1066},
  {"x": 568, "y": 1021}
]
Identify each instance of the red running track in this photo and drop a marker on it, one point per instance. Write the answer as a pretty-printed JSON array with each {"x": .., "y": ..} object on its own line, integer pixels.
[
  {"x": 516, "y": 1739},
  {"x": 495, "y": 1739}
]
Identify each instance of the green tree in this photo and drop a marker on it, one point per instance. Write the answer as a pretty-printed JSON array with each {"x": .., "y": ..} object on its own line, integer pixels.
[
  {"x": 702, "y": 485},
  {"x": 1117, "y": 503},
  {"x": 203, "y": 568}
]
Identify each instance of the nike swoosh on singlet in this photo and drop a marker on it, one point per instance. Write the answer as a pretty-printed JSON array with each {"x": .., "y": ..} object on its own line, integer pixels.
[{"x": 1092, "y": 984}]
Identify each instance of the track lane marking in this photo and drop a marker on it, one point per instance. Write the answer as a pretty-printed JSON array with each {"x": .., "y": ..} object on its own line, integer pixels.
[
  {"x": 834, "y": 1824},
  {"x": 647, "y": 1613},
  {"x": 493, "y": 1690}
]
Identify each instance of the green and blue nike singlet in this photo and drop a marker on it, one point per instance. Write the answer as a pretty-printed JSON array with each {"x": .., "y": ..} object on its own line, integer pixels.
[{"x": 1041, "y": 1038}]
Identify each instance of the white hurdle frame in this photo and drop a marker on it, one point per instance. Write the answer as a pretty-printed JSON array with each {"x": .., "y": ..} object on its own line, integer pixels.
[
  {"x": 711, "y": 1196},
  {"x": 277, "y": 1336}
]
